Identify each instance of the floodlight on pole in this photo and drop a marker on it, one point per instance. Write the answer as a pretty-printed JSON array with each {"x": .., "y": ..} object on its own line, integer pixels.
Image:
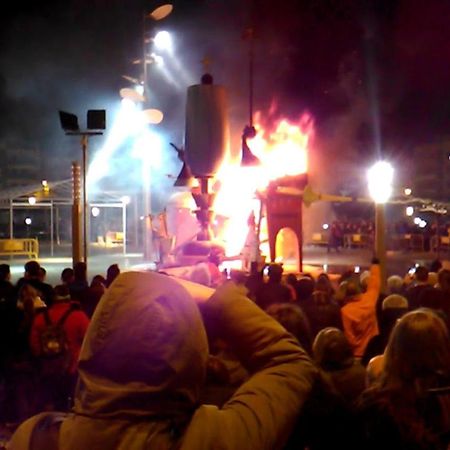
[
  {"x": 152, "y": 116},
  {"x": 379, "y": 178},
  {"x": 96, "y": 123}
]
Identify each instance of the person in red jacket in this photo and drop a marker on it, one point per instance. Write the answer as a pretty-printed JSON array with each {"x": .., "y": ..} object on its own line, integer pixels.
[{"x": 57, "y": 387}]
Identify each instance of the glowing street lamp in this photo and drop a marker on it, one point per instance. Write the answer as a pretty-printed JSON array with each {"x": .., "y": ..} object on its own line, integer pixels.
[
  {"x": 153, "y": 117},
  {"x": 379, "y": 178},
  {"x": 163, "y": 40}
]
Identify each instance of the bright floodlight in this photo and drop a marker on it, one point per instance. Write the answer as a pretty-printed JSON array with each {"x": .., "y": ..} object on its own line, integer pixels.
[
  {"x": 409, "y": 211},
  {"x": 325, "y": 226},
  {"x": 380, "y": 177},
  {"x": 163, "y": 40},
  {"x": 32, "y": 200},
  {"x": 95, "y": 211},
  {"x": 125, "y": 199},
  {"x": 139, "y": 88},
  {"x": 417, "y": 220},
  {"x": 408, "y": 191},
  {"x": 27, "y": 220}
]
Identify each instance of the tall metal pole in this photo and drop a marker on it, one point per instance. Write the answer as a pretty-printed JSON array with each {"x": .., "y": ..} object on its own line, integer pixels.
[
  {"x": 84, "y": 142},
  {"x": 11, "y": 219},
  {"x": 146, "y": 169},
  {"x": 144, "y": 61},
  {"x": 51, "y": 229},
  {"x": 76, "y": 214},
  {"x": 124, "y": 227},
  {"x": 58, "y": 238},
  {"x": 380, "y": 241}
]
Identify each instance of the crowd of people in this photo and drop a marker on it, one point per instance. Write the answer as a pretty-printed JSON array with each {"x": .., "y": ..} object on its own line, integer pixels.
[
  {"x": 283, "y": 361},
  {"x": 31, "y": 381},
  {"x": 397, "y": 232}
]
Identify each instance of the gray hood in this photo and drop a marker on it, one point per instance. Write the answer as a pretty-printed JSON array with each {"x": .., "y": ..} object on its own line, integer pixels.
[{"x": 145, "y": 351}]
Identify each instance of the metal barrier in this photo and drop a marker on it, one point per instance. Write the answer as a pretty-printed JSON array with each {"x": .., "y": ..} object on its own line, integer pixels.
[
  {"x": 357, "y": 240},
  {"x": 22, "y": 247},
  {"x": 444, "y": 243},
  {"x": 114, "y": 237},
  {"x": 411, "y": 242},
  {"x": 319, "y": 239}
]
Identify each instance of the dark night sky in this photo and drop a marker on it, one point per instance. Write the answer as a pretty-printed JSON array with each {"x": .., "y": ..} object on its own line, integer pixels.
[{"x": 323, "y": 56}]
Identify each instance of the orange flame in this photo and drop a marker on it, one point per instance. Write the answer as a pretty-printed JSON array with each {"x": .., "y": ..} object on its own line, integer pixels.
[{"x": 282, "y": 152}]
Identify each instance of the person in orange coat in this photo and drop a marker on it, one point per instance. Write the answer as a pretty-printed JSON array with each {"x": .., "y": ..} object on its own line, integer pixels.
[{"x": 359, "y": 317}]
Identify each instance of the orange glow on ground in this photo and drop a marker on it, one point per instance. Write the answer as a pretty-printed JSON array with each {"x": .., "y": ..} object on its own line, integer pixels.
[{"x": 283, "y": 151}]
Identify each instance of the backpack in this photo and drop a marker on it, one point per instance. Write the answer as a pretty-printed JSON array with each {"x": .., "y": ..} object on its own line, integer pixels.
[{"x": 55, "y": 356}]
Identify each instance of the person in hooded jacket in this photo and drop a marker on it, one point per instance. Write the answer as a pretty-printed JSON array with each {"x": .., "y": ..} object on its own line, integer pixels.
[{"x": 143, "y": 364}]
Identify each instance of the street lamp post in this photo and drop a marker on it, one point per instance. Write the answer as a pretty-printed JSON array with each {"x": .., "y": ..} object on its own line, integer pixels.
[
  {"x": 380, "y": 177},
  {"x": 157, "y": 14}
]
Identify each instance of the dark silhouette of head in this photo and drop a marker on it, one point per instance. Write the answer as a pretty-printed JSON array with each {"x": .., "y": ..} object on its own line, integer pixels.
[
  {"x": 305, "y": 288},
  {"x": 323, "y": 283},
  {"x": 112, "y": 273},
  {"x": 62, "y": 293},
  {"x": 435, "y": 266},
  {"x": 5, "y": 272},
  {"x": 294, "y": 320},
  {"x": 444, "y": 279},
  {"x": 275, "y": 272},
  {"x": 331, "y": 349},
  {"x": 67, "y": 275},
  {"x": 421, "y": 274},
  {"x": 32, "y": 269}
]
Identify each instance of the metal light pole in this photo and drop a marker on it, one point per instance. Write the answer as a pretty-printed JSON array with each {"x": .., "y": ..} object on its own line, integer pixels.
[
  {"x": 157, "y": 14},
  {"x": 380, "y": 177},
  {"x": 69, "y": 123}
]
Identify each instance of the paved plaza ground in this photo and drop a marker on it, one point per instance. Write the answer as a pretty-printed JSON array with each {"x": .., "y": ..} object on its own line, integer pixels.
[{"x": 314, "y": 258}]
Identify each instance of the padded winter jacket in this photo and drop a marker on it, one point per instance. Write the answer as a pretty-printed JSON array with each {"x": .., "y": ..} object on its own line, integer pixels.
[{"x": 143, "y": 361}]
